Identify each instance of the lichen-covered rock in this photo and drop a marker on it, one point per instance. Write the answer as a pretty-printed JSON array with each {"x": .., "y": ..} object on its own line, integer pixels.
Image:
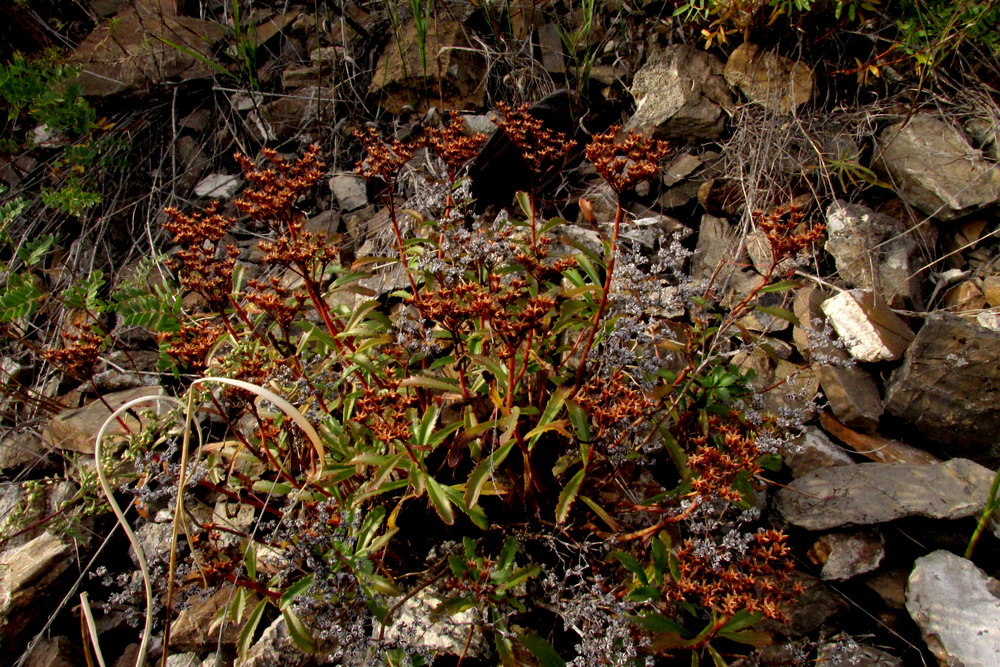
[{"x": 680, "y": 93}]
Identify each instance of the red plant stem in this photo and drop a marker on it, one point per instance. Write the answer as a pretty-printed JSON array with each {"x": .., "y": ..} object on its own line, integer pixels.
[
  {"x": 602, "y": 306},
  {"x": 391, "y": 203},
  {"x": 121, "y": 422}
]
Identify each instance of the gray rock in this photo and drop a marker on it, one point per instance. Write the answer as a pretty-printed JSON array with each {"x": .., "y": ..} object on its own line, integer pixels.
[
  {"x": 296, "y": 114},
  {"x": 814, "y": 450},
  {"x": 195, "y": 630},
  {"x": 718, "y": 246},
  {"x": 949, "y": 385},
  {"x": 350, "y": 190},
  {"x": 218, "y": 186},
  {"x": 935, "y": 170},
  {"x": 54, "y": 652},
  {"x": 869, "y": 328},
  {"x": 848, "y": 653},
  {"x": 775, "y": 82},
  {"x": 808, "y": 611},
  {"x": 846, "y": 555},
  {"x": 680, "y": 93},
  {"x": 447, "y": 634},
  {"x": 957, "y": 607},
  {"x": 18, "y": 447},
  {"x": 871, "y": 493},
  {"x": 873, "y": 251}
]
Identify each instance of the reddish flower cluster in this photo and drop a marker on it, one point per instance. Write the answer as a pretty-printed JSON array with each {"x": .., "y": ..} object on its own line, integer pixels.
[
  {"x": 611, "y": 402},
  {"x": 787, "y": 231},
  {"x": 385, "y": 158},
  {"x": 756, "y": 580},
  {"x": 542, "y": 150},
  {"x": 190, "y": 346},
  {"x": 625, "y": 165},
  {"x": 453, "y": 146},
  {"x": 720, "y": 459},
  {"x": 277, "y": 188},
  {"x": 383, "y": 410},
  {"x": 197, "y": 262},
  {"x": 79, "y": 358}
]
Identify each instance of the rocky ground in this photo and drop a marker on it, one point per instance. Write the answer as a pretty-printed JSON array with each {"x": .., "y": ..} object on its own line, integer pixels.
[{"x": 881, "y": 353}]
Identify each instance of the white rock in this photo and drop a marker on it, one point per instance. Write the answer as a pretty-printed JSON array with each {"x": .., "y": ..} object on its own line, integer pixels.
[
  {"x": 871, "y": 331},
  {"x": 218, "y": 186},
  {"x": 957, "y": 608}
]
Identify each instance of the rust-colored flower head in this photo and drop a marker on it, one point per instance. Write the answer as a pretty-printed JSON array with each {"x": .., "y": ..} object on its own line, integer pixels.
[
  {"x": 543, "y": 150},
  {"x": 275, "y": 189},
  {"x": 787, "y": 230},
  {"x": 190, "y": 345},
  {"x": 452, "y": 145},
  {"x": 385, "y": 158},
  {"x": 624, "y": 165},
  {"x": 79, "y": 357}
]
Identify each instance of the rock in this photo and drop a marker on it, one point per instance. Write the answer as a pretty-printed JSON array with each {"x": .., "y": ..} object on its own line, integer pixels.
[
  {"x": 790, "y": 388},
  {"x": 131, "y": 53},
  {"x": 964, "y": 297},
  {"x": 296, "y": 114},
  {"x": 19, "y": 447},
  {"x": 447, "y": 634},
  {"x": 813, "y": 450},
  {"x": 935, "y": 170},
  {"x": 301, "y": 77},
  {"x": 680, "y": 168},
  {"x": 957, "y": 607},
  {"x": 848, "y": 653},
  {"x": 775, "y": 82},
  {"x": 852, "y": 392},
  {"x": 184, "y": 660},
  {"x": 808, "y": 611},
  {"x": 456, "y": 70},
  {"x": 871, "y": 331},
  {"x": 551, "y": 47},
  {"x": 195, "y": 628},
  {"x": 219, "y": 186},
  {"x": 721, "y": 196},
  {"x": 846, "y": 555},
  {"x": 874, "y": 446},
  {"x": 948, "y": 386},
  {"x": 28, "y": 575},
  {"x": 350, "y": 190},
  {"x": 274, "y": 648},
  {"x": 54, "y": 652},
  {"x": 874, "y": 252},
  {"x": 890, "y": 585},
  {"x": 325, "y": 222},
  {"x": 679, "y": 93},
  {"x": 991, "y": 290},
  {"x": 76, "y": 429},
  {"x": 871, "y": 493}
]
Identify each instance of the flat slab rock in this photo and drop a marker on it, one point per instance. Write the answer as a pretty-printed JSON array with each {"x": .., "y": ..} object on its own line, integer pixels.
[
  {"x": 957, "y": 607},
  {"x": 871, "y": 493}
]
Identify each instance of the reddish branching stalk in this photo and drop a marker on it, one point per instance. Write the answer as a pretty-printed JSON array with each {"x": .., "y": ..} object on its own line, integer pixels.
[{"x": 622, "y": 166}]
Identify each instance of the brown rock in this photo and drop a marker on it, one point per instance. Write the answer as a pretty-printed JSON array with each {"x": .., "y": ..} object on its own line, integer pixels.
[
  {"x": 455, "y": 76},
  {"x": 869, "y": 328},
  {"x": 131, "y": 52},
  {"x": 949, "y": 385},
  {"x": 775, "y": 82},
  {"x": 874, "y": 446},
  {"x": 76, "y": 429},
  {"x": 195, "y": 629},
  {"x": 852, "y": 392}
]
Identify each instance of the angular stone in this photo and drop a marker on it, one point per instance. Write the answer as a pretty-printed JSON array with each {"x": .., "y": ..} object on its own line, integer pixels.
[
  {"x": 775, "y": 82},
  {"x": 846, "y": 555},
  {"x": 948, "y": 386},
  {"x": 957, "y": 607},
  {"x": 808, "y": 611},
  {"x": 871, "y": 493},
  {"x": 76, "y": 429},
  {"x": 27, "y": 577},
  {"x": 718, "y": 248},
  {"x": 873, "y": 251},
  {"x": 871, "y": 331},
  {"x": 935, "y": 170},
  {"x": 991, "y": 290},
  {"x": 194, "y": 629},
  {"x": 850, "y": 654},
  {"x": 350, "y": 190},
  {"x": 964, "y": 297},
  {"x": 852, "y": 392},
  {"x": 219, "y": 186},
  {"x": 301, "y": 112},
  {"x": 679, "y": 93},
  {"x": 551, "y": 47},
  {"x": 455, "y": 76},
  {"x": 132, "y": 52},
  {"x": 814, "y": 450}
]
